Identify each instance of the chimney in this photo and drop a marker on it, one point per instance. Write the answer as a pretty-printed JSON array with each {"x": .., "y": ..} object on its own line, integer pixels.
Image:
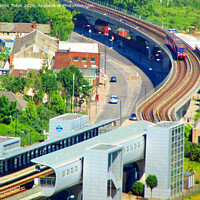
[{"x": 34, "y": 25}]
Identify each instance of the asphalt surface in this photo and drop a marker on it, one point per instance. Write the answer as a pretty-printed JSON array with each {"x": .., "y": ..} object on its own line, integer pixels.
[{"x": 132, "y": 83}]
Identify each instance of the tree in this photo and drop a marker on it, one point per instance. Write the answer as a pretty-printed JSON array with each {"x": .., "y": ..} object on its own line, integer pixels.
[
  {"x": 151, "y": 181},
  {"x": 7, "y": 109},
  {"x": 58, "y": 103},
  {"x": 138, "y": 188},
  {"x": 31, "y": 111},
  {"x": 188, "y": 132}
]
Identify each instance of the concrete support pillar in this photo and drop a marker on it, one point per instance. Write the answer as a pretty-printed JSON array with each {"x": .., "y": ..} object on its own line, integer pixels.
[
  {"x": 1, "y": 167},
  {"x": 132, "y": 35},
  {"x": 113, "y": 28},
  {"x": 91, "y": 20}
]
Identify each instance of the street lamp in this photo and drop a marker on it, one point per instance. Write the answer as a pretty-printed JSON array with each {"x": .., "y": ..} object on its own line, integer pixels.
[
  {"x": 71, "y": 197},
  {"x": 120, "y": 112}
]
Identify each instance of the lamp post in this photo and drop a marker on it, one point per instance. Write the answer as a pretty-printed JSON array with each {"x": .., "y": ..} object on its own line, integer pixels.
[
  {"x": 71, "y": 197},
  {"x": 120, "y": 112},
  {"x": 73, "y": 94},
  {"x": 16, "y": 124},
  {"x": 105, "y": 69}
]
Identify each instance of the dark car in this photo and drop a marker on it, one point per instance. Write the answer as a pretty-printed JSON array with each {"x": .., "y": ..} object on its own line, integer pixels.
[
  {"x": 113, "y": 79},
  {"x": 133, "y": 117}
]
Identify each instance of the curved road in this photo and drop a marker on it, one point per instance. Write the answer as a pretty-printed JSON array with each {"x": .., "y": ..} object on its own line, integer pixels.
[{"x": 132, "y": 83}]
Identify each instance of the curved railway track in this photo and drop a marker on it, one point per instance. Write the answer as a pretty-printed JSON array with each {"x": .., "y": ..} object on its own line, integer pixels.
[
  {"x": 160, "y": 106},
  {"x": 183, "y": 76},
  {"x": 17, "y": 186}
]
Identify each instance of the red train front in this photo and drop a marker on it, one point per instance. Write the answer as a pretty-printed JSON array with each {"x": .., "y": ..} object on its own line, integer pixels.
[{"x": 176, "y": 45}]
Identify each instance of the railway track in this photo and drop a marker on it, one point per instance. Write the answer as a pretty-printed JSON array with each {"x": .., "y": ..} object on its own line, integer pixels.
[
  {"x": 160, "y": 106},
  {"x": 18, "y": 185},
  {"x": 183, "y": 76}
]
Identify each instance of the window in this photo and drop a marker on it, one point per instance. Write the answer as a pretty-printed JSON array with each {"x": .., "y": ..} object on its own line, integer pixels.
[
  {"x": 84, "y": 59},
  {"x": 92, "y": 60},
  {"x": 199, "y": 139},
  {"x": 75, "y": 58}
]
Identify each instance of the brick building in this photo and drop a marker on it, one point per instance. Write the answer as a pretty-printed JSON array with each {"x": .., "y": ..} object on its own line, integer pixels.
[{"x": 83, "y": 55}]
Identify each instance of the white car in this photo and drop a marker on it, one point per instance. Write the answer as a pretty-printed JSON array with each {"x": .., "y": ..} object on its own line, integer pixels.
[{"x": 113, "y": 99}]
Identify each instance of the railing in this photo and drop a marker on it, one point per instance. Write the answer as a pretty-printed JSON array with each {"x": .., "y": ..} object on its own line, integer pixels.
[
  {"x": 127, "y": 12},
  {"x": 32, "y": 193},
  {"x": 187, "y": 193}
]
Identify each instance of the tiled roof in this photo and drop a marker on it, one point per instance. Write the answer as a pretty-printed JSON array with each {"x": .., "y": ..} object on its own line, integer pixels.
[
  {"x": 23, "y": 72},
  {"x": 17, "y": 72},
  {"x": 23, "y": 27},
  {"x": 21, "y": 103}
]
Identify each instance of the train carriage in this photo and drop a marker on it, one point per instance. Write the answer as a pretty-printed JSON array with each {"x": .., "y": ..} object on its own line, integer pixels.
[{"x": 176, "y": 45}]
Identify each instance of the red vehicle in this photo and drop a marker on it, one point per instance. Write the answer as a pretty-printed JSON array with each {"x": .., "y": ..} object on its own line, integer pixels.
[
  {"x": 104, "y": 29},
  {"x": 176, "y": 45}
]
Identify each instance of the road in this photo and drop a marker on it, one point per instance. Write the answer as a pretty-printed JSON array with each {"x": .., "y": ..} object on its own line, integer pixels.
[
  {"x": 126, "y": 87},
  {"x": 131, "y": 85}
]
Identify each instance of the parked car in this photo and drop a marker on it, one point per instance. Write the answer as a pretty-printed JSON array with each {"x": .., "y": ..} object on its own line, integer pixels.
[
  {"x": 133, "y": 117},
  {"x": 113, "y": 99},
  {"x": 113, "y": 79}
]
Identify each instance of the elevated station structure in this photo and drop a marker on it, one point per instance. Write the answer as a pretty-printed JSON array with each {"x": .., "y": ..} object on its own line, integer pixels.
[
  {"x": 13, "y": 157},
  {"x": 99, "y": 162}
]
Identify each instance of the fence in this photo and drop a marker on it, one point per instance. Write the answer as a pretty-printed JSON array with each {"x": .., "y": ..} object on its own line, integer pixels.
[
  {"x": 187, "y": 193},
  {"x": 29, "y": 194}
]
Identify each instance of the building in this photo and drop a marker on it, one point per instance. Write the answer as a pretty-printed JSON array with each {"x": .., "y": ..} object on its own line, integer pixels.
[
  {"x": 30, "y": 50},
  {"x": 21, "y": 103},
  {"x": 66, "y": 123},
  {"x": 7, "y": 41},
  {"x": 102, "y": 174},
  {"x": 21, "y": 29},
  {"x": 196, "y": 132},
  {"x": 7, "y": 144},
  {"x": 83, "y": 55},
  {"x": 165, "y": 159}
]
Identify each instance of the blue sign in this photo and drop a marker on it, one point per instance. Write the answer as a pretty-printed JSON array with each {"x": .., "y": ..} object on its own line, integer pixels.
[{"x": 59, "y": 128}]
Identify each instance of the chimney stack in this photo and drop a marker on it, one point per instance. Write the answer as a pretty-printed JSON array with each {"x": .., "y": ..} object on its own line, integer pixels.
[{"x": 34, "y": 25}]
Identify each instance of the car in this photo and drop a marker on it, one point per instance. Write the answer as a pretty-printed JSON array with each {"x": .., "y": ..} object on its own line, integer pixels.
[
  {"x": 133, "y": 117},
  {"x": 113, "y": 79},
  {"x": 113, "y": 99}
]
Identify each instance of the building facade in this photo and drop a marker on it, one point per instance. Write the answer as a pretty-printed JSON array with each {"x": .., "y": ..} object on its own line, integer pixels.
[
  {"x": 30, "y": 50},
  {"x": 165, "y": 159},
  {"x": 83, "y": 55},
  {"x": 102, "y": 175}
]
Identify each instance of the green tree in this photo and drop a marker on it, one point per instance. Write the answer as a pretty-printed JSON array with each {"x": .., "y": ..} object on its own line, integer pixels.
[
  {"x": 7, "y": 109},
  {"x": 49, "y": 81},
  {"x": 31, "y": 111},
  {"x": 138, "y": 188},
  {"x": 151, "y": 181},
  {"x": 188, "y": 132},
  {"x": 58, "y": 103}
]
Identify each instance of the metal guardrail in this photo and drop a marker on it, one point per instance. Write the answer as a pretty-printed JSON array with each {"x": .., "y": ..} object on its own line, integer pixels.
[
  {"x": 187, "y": 193},
  {"x": 127, "y": 12},
  {"x": 26, "y": 194}
]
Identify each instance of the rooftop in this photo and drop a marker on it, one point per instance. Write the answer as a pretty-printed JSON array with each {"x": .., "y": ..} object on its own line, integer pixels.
[
  {"x": 21, "y": 103},
  {"x": 4, "y": 139},
  {"x": 75, "y": 152},
  {"x": 23, "y": 27},
  {"x": 68, "y": 116},
  {"x": 78, "y": 47},
  {"x": 166, "y": 124},
  {"x": 54, "y": 140},
  {"x": 103, "y": 147}
]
